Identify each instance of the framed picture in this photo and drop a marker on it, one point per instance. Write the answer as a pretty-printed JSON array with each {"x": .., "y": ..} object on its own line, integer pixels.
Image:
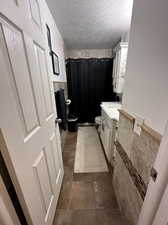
[
  {"x": 55, "y": 63},
  {"x": 49, "y": 37}
]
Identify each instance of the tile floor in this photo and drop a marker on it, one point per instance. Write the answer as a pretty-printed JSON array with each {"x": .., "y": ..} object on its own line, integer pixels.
[{"x": 85, "y": 199}]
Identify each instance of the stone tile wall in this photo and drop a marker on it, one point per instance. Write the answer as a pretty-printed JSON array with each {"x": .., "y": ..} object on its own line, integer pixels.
[{"x": 134, "y": 158}]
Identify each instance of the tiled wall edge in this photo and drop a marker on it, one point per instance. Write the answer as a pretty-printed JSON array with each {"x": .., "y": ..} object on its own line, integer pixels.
[
  {"x": 154, "y": 134},
  {"x": 127, "y": 115}
]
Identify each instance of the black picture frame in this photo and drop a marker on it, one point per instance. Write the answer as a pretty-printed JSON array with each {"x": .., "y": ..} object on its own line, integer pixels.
[
  {"x": 55, "y": 63},
  {"x": 49, "y": 37}
]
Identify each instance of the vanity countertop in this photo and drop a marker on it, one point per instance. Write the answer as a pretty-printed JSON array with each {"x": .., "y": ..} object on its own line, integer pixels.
[{"x": 111, "y": 109}]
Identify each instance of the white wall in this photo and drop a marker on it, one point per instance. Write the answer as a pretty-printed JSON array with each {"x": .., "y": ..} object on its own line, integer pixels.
[
  {"x": 146, "y": 85},
  {"x": 125, "y": 37},
  {"x": 57, "y": 41},
  {"x": 89, "y": 53}
]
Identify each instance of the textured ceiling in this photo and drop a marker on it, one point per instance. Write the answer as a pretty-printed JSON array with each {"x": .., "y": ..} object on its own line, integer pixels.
[{"x": 91, "y": 24}]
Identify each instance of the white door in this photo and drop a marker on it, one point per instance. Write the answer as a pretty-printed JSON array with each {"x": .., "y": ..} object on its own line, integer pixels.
[
  {"x": 27, "y": 115},
  {"x": 161, "y": 217},
  {"x": 7, "y": 212},
  {"x": 156, "y": 187}
]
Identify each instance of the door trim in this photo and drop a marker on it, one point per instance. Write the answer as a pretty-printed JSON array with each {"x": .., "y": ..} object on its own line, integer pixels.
[{"x": 12, "y": 174}]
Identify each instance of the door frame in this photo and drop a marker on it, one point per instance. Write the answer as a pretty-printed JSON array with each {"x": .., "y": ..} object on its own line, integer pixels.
[
  {"x": 11, "y": 170},
  {"x": 6, "y": 206},
  {"x": 156, "y": 188}
]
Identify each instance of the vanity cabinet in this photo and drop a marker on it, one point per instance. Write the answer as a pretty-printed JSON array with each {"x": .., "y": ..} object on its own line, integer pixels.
[
  {"x": 107, "y": 134},
  {"x": 119, "y": 66}
]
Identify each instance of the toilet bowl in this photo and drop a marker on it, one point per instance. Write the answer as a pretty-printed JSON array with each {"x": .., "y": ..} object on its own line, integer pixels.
[{"x": 98, "y": 120}]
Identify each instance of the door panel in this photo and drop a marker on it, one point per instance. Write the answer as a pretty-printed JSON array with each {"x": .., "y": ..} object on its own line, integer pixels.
[
  {"x": 35, "y": 12},
  {"x": 42, "y": 175},
  {"x": 40, "y": 54},
  {"x": 36, "y": 78},
  {"x": 27, "y": 115},
  {"x": 52, "y": 166},
  {"x": 161, "y": 216},
  {"x": 21, "y": 76}
]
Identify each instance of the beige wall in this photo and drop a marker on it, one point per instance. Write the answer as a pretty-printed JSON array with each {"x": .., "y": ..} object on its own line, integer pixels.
[{"x": 146, "y": 91}]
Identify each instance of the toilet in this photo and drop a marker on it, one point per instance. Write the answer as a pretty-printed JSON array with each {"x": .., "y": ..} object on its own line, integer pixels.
[{"x": 98, "y": 122}]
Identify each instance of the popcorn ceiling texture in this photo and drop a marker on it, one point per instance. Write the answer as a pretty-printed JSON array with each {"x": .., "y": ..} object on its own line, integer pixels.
[{"x": 91, "y": 24}]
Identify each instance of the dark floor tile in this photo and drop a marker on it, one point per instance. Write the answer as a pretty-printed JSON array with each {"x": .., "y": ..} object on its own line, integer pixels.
[
  {"x": 68, "y": 162},
  {"x": 62, "y": 217},
  {"x": 85, "y": 198},
  {"x": 69, "y": 148},
  {"x": 63, "y": 203},
  {"x": 64, "y": 198},
  {"x": 85, "y": 177},
  {"x": 68, "y": 173},
  {"x": 66, "y": 188},
  {"x": 108, "y": 217},
  {"x": 104, "y": 195},
  {"x": 69, "y": 152},
  {"x": 71, "y": 139},
  {"x": 82, "y": 196},
  {"x": 83, "y": 217},
  {"x": 103, "y": 177},
  {"x": 90, "y": 177}
]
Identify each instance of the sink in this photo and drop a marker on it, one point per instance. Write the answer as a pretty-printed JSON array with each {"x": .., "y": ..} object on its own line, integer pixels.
[{"x": 111, "y": 109}]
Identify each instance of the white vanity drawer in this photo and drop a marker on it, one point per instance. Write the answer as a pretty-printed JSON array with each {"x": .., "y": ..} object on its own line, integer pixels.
[
  {"x": 106, "y": 120},
  {"x": 107, "y": 134}
]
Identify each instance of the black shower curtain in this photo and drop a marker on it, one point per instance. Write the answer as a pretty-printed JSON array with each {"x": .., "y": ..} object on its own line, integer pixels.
[{"x": 89, "y": 83}]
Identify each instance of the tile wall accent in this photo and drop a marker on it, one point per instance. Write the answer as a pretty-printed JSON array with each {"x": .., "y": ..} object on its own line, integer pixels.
[
  {"x": 135, "y": 176},
  {"x": 134, "y": 158},
  {"x": 128, "y": 197}
]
